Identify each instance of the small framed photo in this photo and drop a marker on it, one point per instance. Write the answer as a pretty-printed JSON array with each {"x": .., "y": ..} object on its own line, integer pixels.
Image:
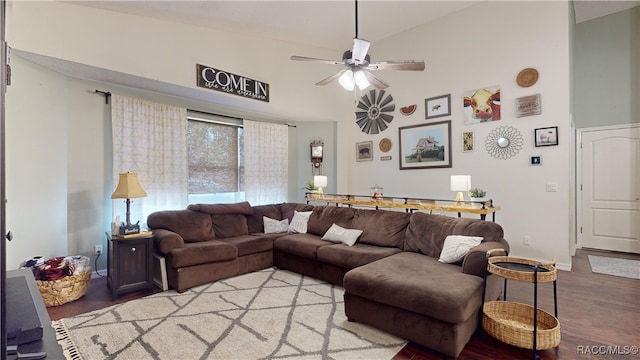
[
  {"x": 467, "y": 141},
  {"x": 546, "y": 136},
  {"x": 364, "y": 151},
  {"x": 438, "y": 106}
]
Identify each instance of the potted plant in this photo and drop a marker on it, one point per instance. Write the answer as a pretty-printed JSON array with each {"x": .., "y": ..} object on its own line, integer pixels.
[
  {"x": 477, "y": 196},
  {"x": 311, "y": 189}
]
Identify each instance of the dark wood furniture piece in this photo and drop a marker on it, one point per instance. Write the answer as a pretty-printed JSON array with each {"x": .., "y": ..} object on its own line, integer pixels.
[
  {"x": 130, "y": 261},
  {"x": 48, "y": 344}
]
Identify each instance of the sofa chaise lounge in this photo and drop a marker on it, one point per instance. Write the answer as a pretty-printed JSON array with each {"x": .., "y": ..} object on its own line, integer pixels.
[{"x": 392, "y": 275}]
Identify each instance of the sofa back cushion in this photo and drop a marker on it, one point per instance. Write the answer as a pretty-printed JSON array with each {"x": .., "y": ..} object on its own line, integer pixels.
[
  {"x": 426, "y": 233},
  {"x": 229, "y": 225},
  {"x": 255, "y": 222},
  {"x": 324, "y": 216},
  {"x": 381, "y": 227},
  {"x": 218, "y": 209},
  {"x": 191, "y": 225}
]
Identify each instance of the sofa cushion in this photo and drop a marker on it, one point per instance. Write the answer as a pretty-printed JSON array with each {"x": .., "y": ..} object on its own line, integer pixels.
[
  {"x": 426, "y": 233},
  {"x": 249, "y": 244},
  {"x": 203, "y": 252},
  {"x": 325, "y": 216},
  {"x": 217, "y": 209},
  {"x": 299, "y": 222},
  {"x": 191, "y": 225},
  {"x": 382, "y": 228},
  {"x": 255, "y": 221},
  {"x": 420, "y": 284},
  {"x": 304, "y": 245},
  {"x": 229, "y": 225},
  {"x": 287, "y": 209},
  {"x": 349, "y": 257},
  {"x": 457, "y": 246},
  {"x": 339, "y": 234},
  {"x": 272, "y": 226}
]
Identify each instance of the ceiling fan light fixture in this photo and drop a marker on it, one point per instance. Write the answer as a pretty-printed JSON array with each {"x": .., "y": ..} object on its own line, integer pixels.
[
  {"x": 361, "y": 79},
  {"x": 347, "y": 81}
]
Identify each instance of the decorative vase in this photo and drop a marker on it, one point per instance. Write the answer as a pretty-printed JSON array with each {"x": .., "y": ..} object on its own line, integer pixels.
[{"x": 476, "y": 203}]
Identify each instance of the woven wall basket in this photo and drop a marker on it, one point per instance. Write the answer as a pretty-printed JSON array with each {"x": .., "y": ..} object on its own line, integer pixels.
[{"x": 67, "y": 289}]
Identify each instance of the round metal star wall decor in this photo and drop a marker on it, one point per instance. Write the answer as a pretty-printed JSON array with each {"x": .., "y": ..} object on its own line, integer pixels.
[
  {"x": 504, "y": 142},
  {"x": 376, "y": 114}
]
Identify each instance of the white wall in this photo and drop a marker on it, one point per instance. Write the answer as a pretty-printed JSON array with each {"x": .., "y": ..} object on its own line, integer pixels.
[{"x": 485, "y": 45}]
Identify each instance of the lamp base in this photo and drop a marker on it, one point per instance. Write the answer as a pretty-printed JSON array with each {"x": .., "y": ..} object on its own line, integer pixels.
[
  {"x": 459, "y": 201},
  {"x": 129, "y": 229}
]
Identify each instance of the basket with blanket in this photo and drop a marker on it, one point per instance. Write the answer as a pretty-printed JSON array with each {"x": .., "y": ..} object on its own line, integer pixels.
[{"x": 63, "y": 279}]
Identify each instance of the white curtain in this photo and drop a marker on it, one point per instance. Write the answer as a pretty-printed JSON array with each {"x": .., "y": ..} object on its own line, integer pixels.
[
  {"x": 265, "y": 162},
  {"x": 150, "y": 139}
]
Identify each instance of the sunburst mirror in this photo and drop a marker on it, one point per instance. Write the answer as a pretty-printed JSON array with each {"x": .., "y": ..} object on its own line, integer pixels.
[
  {"x": 377, "y": 112},
  {"x": 504, "y": 142}
]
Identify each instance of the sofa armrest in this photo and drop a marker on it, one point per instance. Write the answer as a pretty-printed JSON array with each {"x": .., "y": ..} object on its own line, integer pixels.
[
  {"x": 475, "y": 262},
  {"x": 166, "y": 240}
]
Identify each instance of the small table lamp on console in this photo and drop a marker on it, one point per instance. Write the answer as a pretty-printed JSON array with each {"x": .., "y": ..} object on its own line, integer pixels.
[
  {"x": 128, "y": 188},
  {"x": 320, "y": 181},
  {"x": 460, "y": 183}
]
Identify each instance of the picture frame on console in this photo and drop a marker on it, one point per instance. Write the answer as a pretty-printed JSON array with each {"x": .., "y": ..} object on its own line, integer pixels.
[{"x": 425, "y": 146}]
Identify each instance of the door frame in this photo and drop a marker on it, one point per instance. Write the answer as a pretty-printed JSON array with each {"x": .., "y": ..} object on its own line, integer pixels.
[{"x": 578, "y": 187}]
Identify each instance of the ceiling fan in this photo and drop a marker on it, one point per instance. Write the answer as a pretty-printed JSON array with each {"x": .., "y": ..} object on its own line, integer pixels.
[{"x": 359, "y": 66}]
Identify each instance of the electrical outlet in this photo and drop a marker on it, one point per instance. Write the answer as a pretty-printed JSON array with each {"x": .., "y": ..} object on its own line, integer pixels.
[
  {"x": 98, "y": 249},
  {"x": 526, "y": 240}
]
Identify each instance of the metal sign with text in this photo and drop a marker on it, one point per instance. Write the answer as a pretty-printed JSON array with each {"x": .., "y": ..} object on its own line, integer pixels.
[{"x": 223, "y": 81}]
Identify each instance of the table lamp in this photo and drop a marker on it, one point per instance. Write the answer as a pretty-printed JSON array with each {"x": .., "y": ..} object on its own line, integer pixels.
[
  {"x": 460, "y": 183},
  {"x": 128, "y": 188},
  {"x": 320, "y": 181}
]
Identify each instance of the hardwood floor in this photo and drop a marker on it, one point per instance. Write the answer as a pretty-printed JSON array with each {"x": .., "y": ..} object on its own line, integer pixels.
[{"x": 593, "y": 310}]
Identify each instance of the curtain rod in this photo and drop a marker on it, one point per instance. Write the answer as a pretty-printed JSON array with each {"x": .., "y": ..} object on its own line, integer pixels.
[
  {"x": 237, "y": 118},
  {"x": 106, "y": 94}
]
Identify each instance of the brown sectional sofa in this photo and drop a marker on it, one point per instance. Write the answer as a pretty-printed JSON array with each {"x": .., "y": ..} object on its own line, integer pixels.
[{"x": 391, "y": 275}]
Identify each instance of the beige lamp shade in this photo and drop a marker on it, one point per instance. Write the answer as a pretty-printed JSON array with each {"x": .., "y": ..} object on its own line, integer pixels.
[{"x": 128, "y": 187}]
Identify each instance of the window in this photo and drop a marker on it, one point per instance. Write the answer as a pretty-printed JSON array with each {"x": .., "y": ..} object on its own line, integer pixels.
[{"x": 214, "y": 147}]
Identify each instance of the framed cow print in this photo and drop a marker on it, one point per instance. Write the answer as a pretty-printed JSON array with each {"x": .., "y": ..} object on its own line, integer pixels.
[
  {"x": 482, "y": 105},
  {"x": 547, "y": 136},
  {"x": 425, "y": 146},
  {"x": 438, "y": 106},
  {"x": 364, "y": 151}
]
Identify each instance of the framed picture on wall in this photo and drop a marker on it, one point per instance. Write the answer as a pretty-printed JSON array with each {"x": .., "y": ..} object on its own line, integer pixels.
[
  {"x": 547, "y": 136},
  {"x": 425, "y": 146},
  {"x": 364, "y": 151},
  {"x": 438, "y": 106}
]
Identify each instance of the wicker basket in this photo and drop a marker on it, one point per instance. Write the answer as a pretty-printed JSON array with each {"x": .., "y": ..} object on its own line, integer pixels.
[
  {"x": 512, "y": 323},
  {"x": 67, "y": 289},
  {"x": 547, "y": 271}
]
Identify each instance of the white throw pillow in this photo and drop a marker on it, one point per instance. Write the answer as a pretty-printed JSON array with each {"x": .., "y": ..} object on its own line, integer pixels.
[
  {"x": 342, "y": 235},
  {"x": 272, "y": 226},
  {"x": 457, "y": 246},
  {"x": 299, "y": 222}
]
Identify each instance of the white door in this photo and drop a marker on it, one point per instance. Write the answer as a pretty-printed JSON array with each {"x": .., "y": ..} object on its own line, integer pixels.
[{"x": 610, "y": 198}]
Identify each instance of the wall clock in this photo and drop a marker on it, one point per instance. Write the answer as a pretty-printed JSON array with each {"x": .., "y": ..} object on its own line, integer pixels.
[
  {"x": 316, "y": 153},
  {"x": 377, "y": 109}
]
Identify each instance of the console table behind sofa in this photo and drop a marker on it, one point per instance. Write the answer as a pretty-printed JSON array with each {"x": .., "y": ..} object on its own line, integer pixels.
[{"x": 481, "y": 208}]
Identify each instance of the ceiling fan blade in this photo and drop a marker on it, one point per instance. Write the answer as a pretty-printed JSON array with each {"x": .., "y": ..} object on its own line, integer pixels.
[
  {"x": 329, "y": 79},
  {"x": 316, "y": 60},
  {"x": 375, "y": 81},
  {"x": 409, "y": 65},
  {"x": 360, "y": 49}
]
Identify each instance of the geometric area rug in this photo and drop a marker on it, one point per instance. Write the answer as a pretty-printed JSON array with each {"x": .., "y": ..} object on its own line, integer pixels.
[
  {"x": 268, "y": 314},
  {"x": 614, "y": 266}
]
